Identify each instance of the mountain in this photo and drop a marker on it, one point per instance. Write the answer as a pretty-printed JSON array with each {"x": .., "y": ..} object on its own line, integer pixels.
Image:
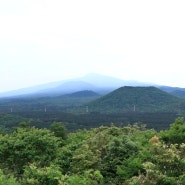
[
  {"x": 68, "y": 87},
  {"x": 100, "y": 84},
  {"x": 110, "y": 82},
  {"x": 30, "y": 90},
  {"x": 95, "y": 82},
  {"x": 137, "y": 99}
]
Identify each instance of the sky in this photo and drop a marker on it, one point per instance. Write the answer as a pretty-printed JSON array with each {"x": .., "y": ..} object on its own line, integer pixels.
[{"x": 43, "y": 41}]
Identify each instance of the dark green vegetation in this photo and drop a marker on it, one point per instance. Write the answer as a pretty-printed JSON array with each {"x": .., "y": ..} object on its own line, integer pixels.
[
  {"x": 79, "y": 121},
  {"x": 71, "y": 139},
  {"x": 140, "y": 99},
  {"x": 65, "y": 103},
  {"x": 124, "y": 99},
  {"x": 87, "y": 109},
  {"x": 129, "y": 155}
]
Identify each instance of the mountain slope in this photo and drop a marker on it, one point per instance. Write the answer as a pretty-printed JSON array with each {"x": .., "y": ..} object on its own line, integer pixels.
[
  {"x": 140, "y": 99},
  {"x": 108, "y": 81},
  {"x": 68, "y": 87}
]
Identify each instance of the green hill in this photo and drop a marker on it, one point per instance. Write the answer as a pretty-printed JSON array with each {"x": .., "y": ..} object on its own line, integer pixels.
[{"x": 138, "y": 99}]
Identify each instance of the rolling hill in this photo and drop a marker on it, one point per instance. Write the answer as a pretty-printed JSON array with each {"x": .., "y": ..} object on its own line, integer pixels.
[{"x": 137, "y": 99}]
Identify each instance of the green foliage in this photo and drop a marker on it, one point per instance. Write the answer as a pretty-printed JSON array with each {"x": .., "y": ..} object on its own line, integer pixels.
[
  {"x": 129, "y": 168},
  {"x": 7, "y": 179},
  {"x": 25, "y": 146},
  {"x": 130, "y": 155},
  {"x": 4, "y": 130},
  {"x": 66, "y": 153},
  {"x": 165, "y": 166},
  {"x": 119, "y": 150},
  {"x": 25, "y": 124},
  {"x": 10, "y": 120},
  {"x": 85, "y": 160},
  {"x": 59, "y": 130},
  {"x": 94, "y": 148},
  {"x": 89, "y": 177},
  {"x": 176, "y": 133},
  {"x": 35, "y": 175},
  {"x": 167, "y": 159},
  {"x": 73, "y": 122},
  {"x": 140, "y": 99},
  {"x": 152, "y": 177}
]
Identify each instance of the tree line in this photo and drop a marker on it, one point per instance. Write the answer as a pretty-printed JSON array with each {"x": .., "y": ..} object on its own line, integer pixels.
[{"x": 72, "y": 122}]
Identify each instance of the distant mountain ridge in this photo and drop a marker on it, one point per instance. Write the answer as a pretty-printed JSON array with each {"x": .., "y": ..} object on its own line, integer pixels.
[
  {"x": 68, "y": 87},
  {"x": 100, "y": 84}
]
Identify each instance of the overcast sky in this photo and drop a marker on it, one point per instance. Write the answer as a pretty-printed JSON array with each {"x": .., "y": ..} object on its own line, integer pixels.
[{"x": 50, "y": 40}]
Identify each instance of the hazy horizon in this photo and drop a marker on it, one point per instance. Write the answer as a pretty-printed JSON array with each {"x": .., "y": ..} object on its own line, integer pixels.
[
  {"x": 45, "y": 41},
  {"x": 86, "y": 78}
]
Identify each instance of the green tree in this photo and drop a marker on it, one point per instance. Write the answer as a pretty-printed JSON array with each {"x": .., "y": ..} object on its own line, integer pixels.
[
  {"x": 119, "y": 150},
  {"x": 7, "y": 179},
  {"x": 176, "y": 133},
  {"x": 36, "y": 175},
  {"x": 25, "y": 124},
  {"x": 165, "y": 166},
  {"x": 67, "y": 153},
  {"x": 88, "y": 177},
  {"x": 59, "y": 130},
  {"x": 25, "y": 146}
]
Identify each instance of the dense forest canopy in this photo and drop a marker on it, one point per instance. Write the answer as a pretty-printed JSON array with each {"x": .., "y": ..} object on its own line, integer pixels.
[{"x": 110, "y": 155}]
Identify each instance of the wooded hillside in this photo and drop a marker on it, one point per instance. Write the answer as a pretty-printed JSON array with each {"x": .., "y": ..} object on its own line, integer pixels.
[{"x": 139, "y": 99}]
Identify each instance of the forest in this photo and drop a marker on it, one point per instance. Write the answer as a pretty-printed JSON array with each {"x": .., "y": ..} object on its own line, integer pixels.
[
  {"x": 131, "y": 136},
  {"x": 87, "y": 109},
  {"x": 105, "y": 155},
  {"x": 73, "y": 122}
]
